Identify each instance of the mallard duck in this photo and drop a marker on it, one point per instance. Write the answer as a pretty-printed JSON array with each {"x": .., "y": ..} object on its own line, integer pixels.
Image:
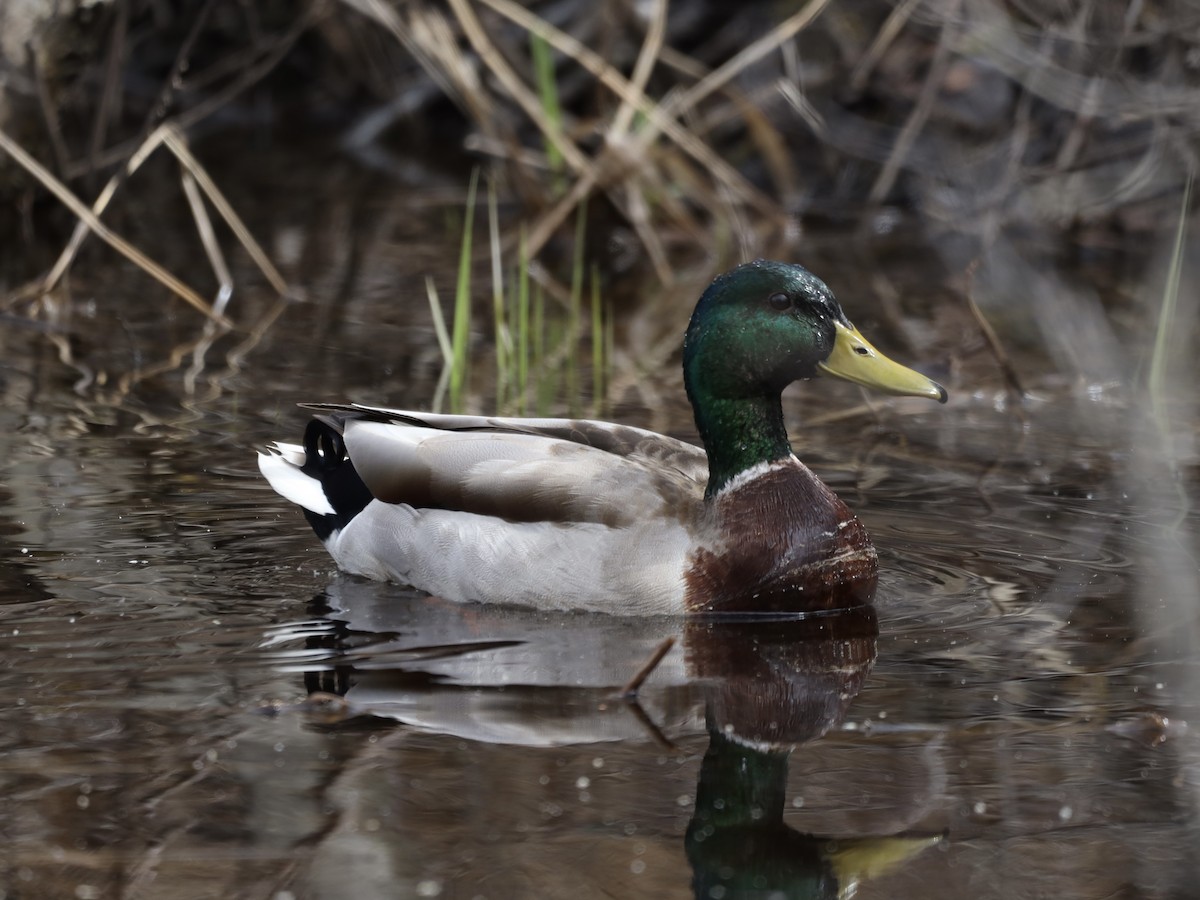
[{"x": 585, "y": 515}]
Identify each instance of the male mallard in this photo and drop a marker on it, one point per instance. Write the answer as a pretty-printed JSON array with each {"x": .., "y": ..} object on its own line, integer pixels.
[{"x": 576, "y": 514}]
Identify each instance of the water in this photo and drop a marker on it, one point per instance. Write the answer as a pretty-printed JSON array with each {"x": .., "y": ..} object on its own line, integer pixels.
[{"x": 1019, "y": 721}]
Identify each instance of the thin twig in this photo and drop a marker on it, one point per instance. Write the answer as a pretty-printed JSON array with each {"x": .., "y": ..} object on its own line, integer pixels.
[
  {"x": 922, "y": 109},
  {"x": 189, "y": 117},
  {"x": 174, "y": 79},
  {"x": 49, "y": 112},
  {"x": 516, "y": 88},
  {"x": 891, "y": 28},
  {"x": 175, "y": 141},
  {"x": 208, "y": 239},
  {"x": 634, "y": 684},
  {"x": 216, "y": 259},
  {"x": 784, "y": 31},
  {"x": 619, "y": 85},
  {"x": 102, "y": 231},
  {"x": 110, "y": 94},
  {"x": 647, "y": 57},
  {"x": 170, "y": 135},
  {"x": 989, "y": 335},
  {"x": 59, "y": 269}
]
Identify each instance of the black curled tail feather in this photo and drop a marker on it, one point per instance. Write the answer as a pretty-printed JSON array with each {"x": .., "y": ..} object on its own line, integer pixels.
[{"x": 326, "y": 460}]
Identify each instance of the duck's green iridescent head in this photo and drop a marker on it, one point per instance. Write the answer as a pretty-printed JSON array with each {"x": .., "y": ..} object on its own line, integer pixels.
[
  {"x": 766, "y": 324},
  {"x": 756, "y": 330}
]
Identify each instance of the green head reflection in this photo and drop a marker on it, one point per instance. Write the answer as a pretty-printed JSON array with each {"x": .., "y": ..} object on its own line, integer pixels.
[{"x": 794, "y": 681}]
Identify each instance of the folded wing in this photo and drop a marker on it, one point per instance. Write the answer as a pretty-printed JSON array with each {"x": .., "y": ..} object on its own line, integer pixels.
[{"x": 521, "y": 470}]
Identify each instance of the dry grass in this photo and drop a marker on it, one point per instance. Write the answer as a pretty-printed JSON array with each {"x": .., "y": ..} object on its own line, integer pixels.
[{"x": 1012, "y": 135}]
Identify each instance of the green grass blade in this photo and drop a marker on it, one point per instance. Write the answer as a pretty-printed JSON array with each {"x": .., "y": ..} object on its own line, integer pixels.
[
  {"x": 522, "y": 323},
  {"x": 543, "y": 68},
  {"x": 569, "y": 349},
  {"x": 443, "y": 339},
  {"x": 1160, "y": 358},
  {"x": 541, "y": 404},
  {"x": 462, "y": 304},
  {"x": 1166, "y": 316},
  {"x": 598, "y": 369},
  {"x": 503, "y": 339}
]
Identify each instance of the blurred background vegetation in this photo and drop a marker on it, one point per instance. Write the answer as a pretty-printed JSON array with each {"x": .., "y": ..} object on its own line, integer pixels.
[{"x": 944, "y": 164}]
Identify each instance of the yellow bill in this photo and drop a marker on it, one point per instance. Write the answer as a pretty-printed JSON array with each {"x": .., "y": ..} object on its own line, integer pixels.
[{"x": 854, "y": 359}]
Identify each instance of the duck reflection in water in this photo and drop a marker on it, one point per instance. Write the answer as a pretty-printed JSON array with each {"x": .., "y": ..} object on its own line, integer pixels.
[
  {"x": 759, "y": 686},
  {"x": 776, "y": 684}
]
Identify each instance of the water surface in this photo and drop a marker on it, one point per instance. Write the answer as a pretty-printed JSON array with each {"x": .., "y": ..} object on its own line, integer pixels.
[{"x": 1014, "y": 723}]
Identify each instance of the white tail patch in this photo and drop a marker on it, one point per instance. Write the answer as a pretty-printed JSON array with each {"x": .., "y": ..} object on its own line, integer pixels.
[
  {"x": 281, "y": 468},
  {"x": 293, "y": 453}
]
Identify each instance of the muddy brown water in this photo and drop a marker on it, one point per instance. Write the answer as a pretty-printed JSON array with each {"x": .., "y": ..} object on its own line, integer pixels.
[{"x": 1017, "y": 720}]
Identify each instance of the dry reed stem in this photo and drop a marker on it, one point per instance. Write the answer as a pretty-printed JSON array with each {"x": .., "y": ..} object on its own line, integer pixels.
[
  {"x": 216, "y": 259},
  {"x": 807, "y": 112},
  {"x": 647, "y": 57},
  {"x": 549, "y": 222},
  {"x": 924, "y": 106},
  {"x": 989, "y": 335},
  {"x": 622, "y": 156},
  {"x": 619, "y": 85},
  {"x": 887, "y": 34},
  {"x": 172, "y": 137},
  {"x": 427, "y": 34},
  {"x": 59, "y": 269},
  {"x": 49, "y": 113},
  {"x": 110, "y": 95},
  {"x": 202, "y": 110},
  {"x": 102, "y": 231},
  {"x": 638, "y": 210},
  {"x": 511, "y": 81},
  {"x": 208, "y": 239},
  {"x": 784, "y": 31},
  {"x": 768, "y": 140},
  {"x": 433, "y": 30},
  {"x": 67, "y": 256},
  {"x": 195, "y": 181},
  {"x": 175, "y": 142},
  {"x": 602, "y": 171}
]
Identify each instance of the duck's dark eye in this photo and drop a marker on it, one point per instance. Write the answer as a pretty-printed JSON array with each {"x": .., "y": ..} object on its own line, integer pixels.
[{"x": 779, "y": 301}]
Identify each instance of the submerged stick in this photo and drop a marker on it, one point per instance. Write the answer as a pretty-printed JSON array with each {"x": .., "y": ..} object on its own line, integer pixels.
[{"x": 634, "y": 684}]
